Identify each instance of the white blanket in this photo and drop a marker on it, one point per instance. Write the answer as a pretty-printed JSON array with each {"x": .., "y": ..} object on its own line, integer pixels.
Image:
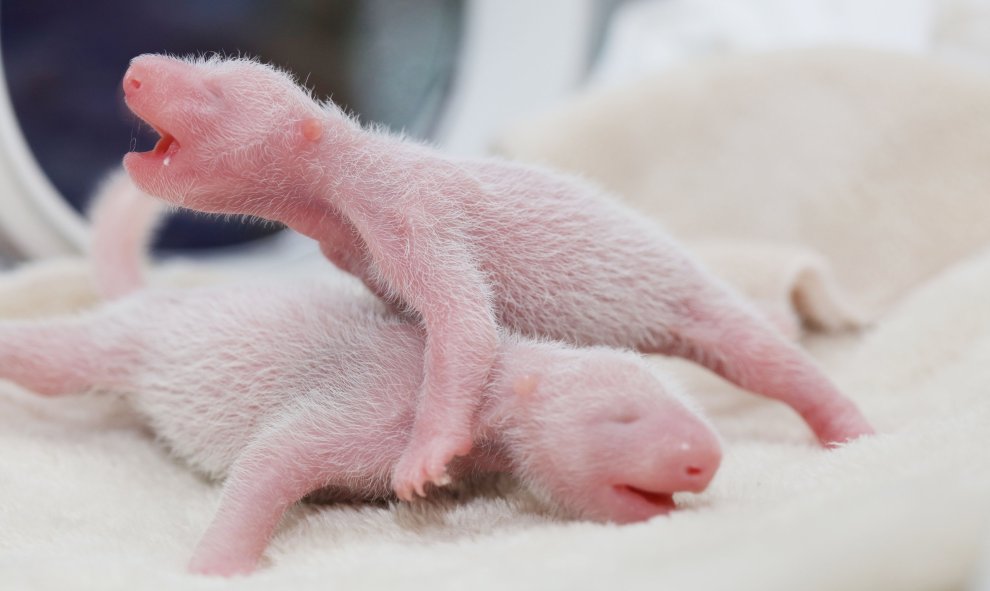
[{"x": 868, "y": 168}]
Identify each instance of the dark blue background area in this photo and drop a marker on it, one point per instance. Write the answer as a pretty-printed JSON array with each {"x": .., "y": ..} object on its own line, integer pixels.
[{"x": 64, "y": 61}]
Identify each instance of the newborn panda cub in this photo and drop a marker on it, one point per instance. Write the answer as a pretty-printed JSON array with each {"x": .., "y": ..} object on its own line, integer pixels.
[
  {"x": 283, "y": 390},
  {"x": 464, "y": 245}
]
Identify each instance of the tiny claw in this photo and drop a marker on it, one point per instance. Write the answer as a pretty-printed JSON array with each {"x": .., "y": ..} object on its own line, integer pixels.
[
  {"x": 403, "y": 493},
  {"x": 844, "y": 428},
  {"x": 426, "y": 465}
]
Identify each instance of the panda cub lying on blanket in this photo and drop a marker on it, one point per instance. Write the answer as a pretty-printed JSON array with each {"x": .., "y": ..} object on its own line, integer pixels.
[{"x": 287, "y": 389}]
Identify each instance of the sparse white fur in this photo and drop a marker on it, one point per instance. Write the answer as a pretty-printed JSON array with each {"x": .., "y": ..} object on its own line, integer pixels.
[
  {"x": 288, "y": 389},
  {"x": 301, "y": 387},
  {"x": 463, "y": 245}
]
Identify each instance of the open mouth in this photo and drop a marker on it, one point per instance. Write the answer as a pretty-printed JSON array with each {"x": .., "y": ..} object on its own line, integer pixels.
[
  {"x": 660, "y": 500},
  {"x": 166, "y": 146}
]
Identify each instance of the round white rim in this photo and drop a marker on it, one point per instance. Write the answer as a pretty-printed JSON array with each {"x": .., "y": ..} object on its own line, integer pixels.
[{"x": 492, "y": 87}]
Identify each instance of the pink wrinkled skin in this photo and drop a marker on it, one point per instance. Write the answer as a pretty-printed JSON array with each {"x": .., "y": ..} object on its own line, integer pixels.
[
  {"x": 464, "y": 244},
  {"x": 292, "y": 388}
]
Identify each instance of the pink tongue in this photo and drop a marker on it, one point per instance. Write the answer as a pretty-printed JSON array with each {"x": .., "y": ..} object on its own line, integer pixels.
[{"x": 163, "y": 144}]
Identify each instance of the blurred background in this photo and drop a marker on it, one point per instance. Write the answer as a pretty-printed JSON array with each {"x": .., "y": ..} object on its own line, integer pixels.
[{"x": 452, "y": 72}]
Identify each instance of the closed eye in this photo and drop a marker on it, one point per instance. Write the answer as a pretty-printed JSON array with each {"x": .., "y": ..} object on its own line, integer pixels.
[{"x": 624, "y": 417}]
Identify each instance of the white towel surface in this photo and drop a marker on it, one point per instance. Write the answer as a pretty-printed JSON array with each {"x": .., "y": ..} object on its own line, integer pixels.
[{"x": 833, "y": 187}]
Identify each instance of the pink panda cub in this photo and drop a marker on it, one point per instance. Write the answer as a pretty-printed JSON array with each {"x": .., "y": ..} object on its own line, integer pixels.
[
  {"x": 464, "y": 245},
  {"x": 286, "y": 389}
]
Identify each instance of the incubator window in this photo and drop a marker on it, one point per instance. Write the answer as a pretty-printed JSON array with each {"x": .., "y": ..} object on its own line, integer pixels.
[{"x": 390, "y": 61}]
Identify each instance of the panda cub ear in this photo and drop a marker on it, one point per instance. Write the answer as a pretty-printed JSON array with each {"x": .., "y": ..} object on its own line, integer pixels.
[
  {"x": 311, "y": 129},
  {"x": 525, "y": 385}
]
